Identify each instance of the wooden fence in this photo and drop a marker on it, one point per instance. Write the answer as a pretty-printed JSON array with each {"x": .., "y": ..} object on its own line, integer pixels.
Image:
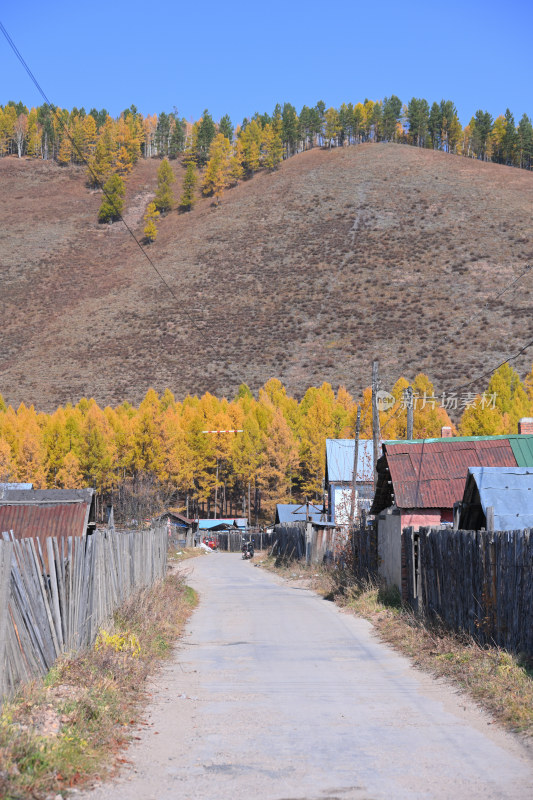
[
  {"x": 479, "y": 582},
  {"x": 364, "y": 549},
  {"x": 304, "y": 540},
  {"x": 289, "y": 541},
  {"x": 44, "y": 613},
  {"x": 231, "y": 541}
]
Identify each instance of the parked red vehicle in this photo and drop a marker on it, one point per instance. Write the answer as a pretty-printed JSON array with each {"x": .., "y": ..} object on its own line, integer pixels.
[{"x": 210, "y": 542}]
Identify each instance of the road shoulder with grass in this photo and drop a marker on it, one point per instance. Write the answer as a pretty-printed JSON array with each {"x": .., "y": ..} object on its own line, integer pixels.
[{"x": 276, "y": 693}]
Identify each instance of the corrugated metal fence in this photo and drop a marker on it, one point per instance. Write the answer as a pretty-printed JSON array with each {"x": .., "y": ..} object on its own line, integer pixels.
[
  {"x": 479, "y": 582},
  {"x": 46, "y": 612}
]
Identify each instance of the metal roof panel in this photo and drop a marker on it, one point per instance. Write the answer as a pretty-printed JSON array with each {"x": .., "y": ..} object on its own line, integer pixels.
[
  {"x": 522, "y": 445},
  {"x": 339, "y": 460},
  {"x": 295, "y": 512},
  {"x": 509, "y": 490}
]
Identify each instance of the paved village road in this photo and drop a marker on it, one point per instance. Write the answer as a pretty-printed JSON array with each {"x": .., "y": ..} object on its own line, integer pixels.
[{"x": 275, "y": 693}]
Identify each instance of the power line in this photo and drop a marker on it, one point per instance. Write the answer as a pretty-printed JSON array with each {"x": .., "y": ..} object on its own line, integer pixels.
[
  {"x": 506, "y": 361},
  {"x": 93, "y": 174}
]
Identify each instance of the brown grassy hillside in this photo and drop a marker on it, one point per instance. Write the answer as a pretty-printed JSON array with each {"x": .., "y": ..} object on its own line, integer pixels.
[{"x": 305, "y": 274}]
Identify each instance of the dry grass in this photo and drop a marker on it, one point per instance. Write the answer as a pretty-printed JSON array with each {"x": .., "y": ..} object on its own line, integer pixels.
[
  {"x": 338, "y": 257},
  {"x": 500, "y": 682},
  {"x": 69, "y": 729},
  {"x": 178, "y": 554}
]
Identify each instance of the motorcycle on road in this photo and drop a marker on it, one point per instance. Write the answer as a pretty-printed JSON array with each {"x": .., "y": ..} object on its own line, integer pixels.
[{"x": 247, "y": 550}]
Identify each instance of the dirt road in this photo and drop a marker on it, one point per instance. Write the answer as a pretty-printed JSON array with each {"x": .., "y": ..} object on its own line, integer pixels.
[{"x": 275, "y": 693}]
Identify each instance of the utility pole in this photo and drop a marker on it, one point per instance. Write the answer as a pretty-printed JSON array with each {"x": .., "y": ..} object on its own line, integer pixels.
[
  {"x": 410, "y": 411},
  {"x": 355, "y": 460},
  {"x": 375, "y": 418}
]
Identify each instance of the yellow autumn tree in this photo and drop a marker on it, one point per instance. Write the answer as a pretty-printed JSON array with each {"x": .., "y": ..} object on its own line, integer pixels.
[
  {"x": 150, "y": 217},
  {"x": 218, "y": 170},
  {"x": 70, "y": 476},
  {"x": 272, "y": 147},
  {"x": 30, "y": 452},
  {"x": 6, "y": 467},
  {"x": 237, "y": 169},
  {"x": 429, "y": 415},
  {"x": 64, "y": 156},
  {"x": 33, "y": 139},
  {"x": 528, "y": 384},
  {"x": 280, "y": 463},
  {"x": 251, "y": 138},
  {"x": 332, "y": 126},
  {"x": 89, "y": 136}
]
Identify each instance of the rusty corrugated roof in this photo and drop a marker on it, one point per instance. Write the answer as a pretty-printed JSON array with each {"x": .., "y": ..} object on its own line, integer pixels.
[
  {"x": 34, "y": 520},
  {"x": 47, "y": 512},
  {"x": 433, "y": 474},
  {"x": 40, "y": 514}
]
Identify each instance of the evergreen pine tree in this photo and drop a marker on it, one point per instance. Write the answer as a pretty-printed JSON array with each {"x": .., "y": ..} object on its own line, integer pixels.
[
  {"x": 188, "y": 198},
  {"x": 177, "y": 136},
  {"x": 164, "y": 199},
  {"x": 289, "y": 121},
  {"x": 510, "y": 139},
  {"x": 113, "y": 202},
  {"x": 226, "y": 127},
  {"x": 206, "y": 134}
]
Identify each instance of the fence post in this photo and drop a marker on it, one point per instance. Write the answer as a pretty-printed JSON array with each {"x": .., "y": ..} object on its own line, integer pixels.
[{"x": 6, "y": 553}]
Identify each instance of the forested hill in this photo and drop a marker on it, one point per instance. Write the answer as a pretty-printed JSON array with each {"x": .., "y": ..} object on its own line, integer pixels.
[
  {"x": 305, "y": 274},
  {"x": 77, "y": 136}
]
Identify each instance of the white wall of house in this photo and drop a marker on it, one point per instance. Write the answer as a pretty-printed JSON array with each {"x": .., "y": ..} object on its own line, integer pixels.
[{"x": 342, "y": 498}]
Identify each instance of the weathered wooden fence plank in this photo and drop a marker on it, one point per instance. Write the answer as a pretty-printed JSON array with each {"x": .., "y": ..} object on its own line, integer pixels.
[
  {"x": 480, "y": 582},
  {"x": 6, "y": 554},
  {"x": 60, "y": 608}
]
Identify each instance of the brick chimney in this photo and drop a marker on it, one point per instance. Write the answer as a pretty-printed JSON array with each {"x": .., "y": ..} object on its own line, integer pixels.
[
  {"x": 446, "y": 432},
  {"x": 525, "y": 425}
]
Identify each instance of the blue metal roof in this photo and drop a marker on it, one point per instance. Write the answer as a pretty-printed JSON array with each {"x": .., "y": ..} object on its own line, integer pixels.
[
  {"x": 15, "y": 486},
  {"x": 295, "y": 512},
  {"x": 509, "y": 490},
  {"x": 339, "y": 460}
]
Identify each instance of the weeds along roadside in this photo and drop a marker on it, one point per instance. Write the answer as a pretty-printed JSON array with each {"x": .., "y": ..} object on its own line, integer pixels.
[
  {"x": 69, "y": 728},
  {"x": 500, "y": 682}
]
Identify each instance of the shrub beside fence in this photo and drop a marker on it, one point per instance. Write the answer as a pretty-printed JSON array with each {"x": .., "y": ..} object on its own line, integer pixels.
[
  {"x": 46, "y": 612},
  {"x": 479, "y": 582}
]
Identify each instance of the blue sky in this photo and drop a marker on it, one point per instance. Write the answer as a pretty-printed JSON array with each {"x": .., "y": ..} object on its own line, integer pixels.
[{"x": 237, "y": 58}]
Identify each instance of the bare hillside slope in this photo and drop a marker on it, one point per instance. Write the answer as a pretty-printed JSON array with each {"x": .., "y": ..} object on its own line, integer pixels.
[{"x": 305, "y": 275}]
